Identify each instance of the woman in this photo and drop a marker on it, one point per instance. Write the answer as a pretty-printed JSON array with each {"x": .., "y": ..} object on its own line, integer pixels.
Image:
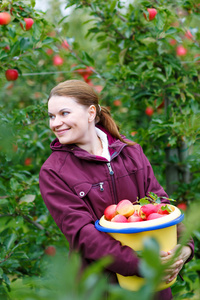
[{"x": 91, "y": 167}]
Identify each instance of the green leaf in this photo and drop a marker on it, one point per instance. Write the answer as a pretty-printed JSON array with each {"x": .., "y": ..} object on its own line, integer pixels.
[
  {"x": 20, "y": 255},
  {"x": 168, "y": 70},
  {"x": 14, "y": 184},
  {"x": 10, "y": 241},
  {"x": 15, "y": 49},
  {"x": 122, "y": 55},
  {"x": 47, "y": 40},
  {"x": 170, "y": 31},
  {"x": 160, "y": 20},
  {"x": 1, "y": 272},
  {"x": 24, "y": 43},
  {"x": 87, "y": 58},
  {"x": 27, "y": 198},
  {"x": 3, "y": 55}
]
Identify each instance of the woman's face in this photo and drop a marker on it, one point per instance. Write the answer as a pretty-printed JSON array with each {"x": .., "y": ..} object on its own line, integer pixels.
[{"x": 69, "y": 120}]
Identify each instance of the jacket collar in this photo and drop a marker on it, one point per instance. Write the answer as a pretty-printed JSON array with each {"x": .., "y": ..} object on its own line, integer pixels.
[{"x": 114, "y": 145}]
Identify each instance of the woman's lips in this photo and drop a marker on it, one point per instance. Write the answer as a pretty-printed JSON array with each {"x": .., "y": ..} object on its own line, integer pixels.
[{"x": 61, "y": 132}]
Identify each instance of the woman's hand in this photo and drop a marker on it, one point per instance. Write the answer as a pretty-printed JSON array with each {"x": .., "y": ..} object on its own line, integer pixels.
[{"x": 172, "y": 271}]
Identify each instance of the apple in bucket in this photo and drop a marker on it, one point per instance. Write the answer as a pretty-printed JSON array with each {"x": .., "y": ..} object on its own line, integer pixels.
[{"x": 135, "y": 212}]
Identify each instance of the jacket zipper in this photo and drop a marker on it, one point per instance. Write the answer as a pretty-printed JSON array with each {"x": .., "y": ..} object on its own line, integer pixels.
[
  {"x": 100, "y": 184},
  {"x": 111, "y": 172}
]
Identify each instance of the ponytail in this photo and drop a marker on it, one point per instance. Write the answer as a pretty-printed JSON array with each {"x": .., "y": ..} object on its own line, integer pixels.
[{"x": 105, "y": 119}]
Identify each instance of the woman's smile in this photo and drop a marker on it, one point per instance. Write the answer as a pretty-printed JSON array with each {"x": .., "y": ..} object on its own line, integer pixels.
[{"x": 61, "y": 131}]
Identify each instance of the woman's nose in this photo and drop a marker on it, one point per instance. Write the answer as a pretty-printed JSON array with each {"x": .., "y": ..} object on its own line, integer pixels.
[{"x": 57, "y": 122}]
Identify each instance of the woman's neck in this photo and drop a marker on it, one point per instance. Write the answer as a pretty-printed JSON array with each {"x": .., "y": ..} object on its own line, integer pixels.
[{"x": 93, "y": 145}]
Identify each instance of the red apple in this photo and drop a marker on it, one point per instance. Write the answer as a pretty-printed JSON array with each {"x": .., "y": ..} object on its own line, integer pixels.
[
  {"x": 85, "y": 77},
  {"x": 119, "y": 219},
  {"x": 182, "y": 206},
  {"x": 7, "y": 48},
  {"x": 135, "y": 218},
  {"x": 172, "y": 42},
  {"x": 87, "y": 70},
  {"x": 110, "y": 211},
  {"x": 161, "y": 209},
  {"x": 28, "y": 161},
  {"x": 146, "y": 210},
  {"x": 152, "y": 13},
  {"x": 149, "y": 111},
  {"x": 50, "y": 250},
  {"x": 98, "y": 88},
  {"x": 125, "y": 208},
  {"x": 5, "y": 18},
  {"x": 133, "y": 133},
  {"x": 49, "y": 52},
  {"x": 11, "y": 74},
  {"x": 28, "y": 23},
  {"x": 57, "y": 60},
  {"x": 117, "y": 102},
  {"x": 154, "y": 216},
  {"x": 181, "y": 51}
]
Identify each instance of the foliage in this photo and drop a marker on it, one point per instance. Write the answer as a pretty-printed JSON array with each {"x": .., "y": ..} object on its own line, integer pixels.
[{"x": 133, "y": 64}]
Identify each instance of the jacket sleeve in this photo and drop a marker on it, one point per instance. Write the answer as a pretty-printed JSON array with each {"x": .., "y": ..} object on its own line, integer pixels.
[
  {"x": 152, "y": 185},
  {"x": 72, "y": 216}
]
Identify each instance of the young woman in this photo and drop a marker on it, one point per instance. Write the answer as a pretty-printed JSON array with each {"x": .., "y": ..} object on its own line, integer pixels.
[{"x": 93, "y": 166}]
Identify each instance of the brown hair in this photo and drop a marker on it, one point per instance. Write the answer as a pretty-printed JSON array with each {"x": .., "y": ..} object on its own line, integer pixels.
[{"x": 85, "y": 95}]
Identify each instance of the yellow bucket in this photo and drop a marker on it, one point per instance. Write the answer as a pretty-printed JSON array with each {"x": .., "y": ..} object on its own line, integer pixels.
[{"x": 133, "y": 234}]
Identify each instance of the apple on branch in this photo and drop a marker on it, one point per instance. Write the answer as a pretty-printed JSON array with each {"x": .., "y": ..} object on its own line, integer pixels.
[
  {"x": 50, "y": 250},
  {"x": 11, "y": 74},
  {"x": 28, "y": 23},
  {"x": 149, "y": 111},
  {"x": 181, "y": 51},
  {"x": 117, "y": 102},
  {"x": 182, "y": 206},
  {"x": 5, "y": 18},
  {"x": 57, "y": 60},
  {"x": 152, "y": 14}
]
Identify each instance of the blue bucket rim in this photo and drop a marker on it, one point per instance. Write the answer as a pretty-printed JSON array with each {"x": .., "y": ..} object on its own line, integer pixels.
[{"x": 139, "y": 229}]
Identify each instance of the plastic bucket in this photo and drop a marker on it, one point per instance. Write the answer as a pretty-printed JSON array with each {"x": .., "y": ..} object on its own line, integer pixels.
[{"x": 164, "y": 230}]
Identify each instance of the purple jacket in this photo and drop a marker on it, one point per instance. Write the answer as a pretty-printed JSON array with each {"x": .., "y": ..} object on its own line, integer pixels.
[{"x": 77, "y": 187}]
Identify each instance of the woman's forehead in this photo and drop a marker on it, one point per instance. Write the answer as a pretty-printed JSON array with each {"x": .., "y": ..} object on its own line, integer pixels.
[{"x": 59, "y": 102}]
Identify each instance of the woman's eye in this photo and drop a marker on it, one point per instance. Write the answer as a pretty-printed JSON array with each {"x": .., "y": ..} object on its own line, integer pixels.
[
  {"x": 51, "y": 117},
  {"x": 65, "y": 113}
]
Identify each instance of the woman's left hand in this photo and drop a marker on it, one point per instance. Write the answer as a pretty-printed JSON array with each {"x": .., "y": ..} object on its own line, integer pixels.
[{"x": 172, "y": 271}]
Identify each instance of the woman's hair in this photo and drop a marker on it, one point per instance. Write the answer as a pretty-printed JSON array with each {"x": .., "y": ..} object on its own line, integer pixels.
[{"x": 85, "y": 95}]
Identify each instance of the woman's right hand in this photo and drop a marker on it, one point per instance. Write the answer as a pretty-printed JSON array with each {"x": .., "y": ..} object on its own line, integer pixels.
[{"x": 172, "y": 271}]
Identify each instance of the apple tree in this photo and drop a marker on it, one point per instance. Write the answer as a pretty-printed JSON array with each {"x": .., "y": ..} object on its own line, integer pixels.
[{"x": 27, "y": 231}]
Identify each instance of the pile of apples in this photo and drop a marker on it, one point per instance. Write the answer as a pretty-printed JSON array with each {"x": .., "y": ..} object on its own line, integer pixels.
[{"x": 125, "y": 212}]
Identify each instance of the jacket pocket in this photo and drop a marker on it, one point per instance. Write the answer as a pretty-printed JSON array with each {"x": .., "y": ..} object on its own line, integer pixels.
[
  {"x": 83, "y": 189},
  {"x": 97, "y": 196}
]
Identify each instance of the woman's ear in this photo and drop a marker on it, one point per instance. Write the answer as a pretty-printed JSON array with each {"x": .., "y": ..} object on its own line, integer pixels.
[{"x": 92, "y": 113}]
